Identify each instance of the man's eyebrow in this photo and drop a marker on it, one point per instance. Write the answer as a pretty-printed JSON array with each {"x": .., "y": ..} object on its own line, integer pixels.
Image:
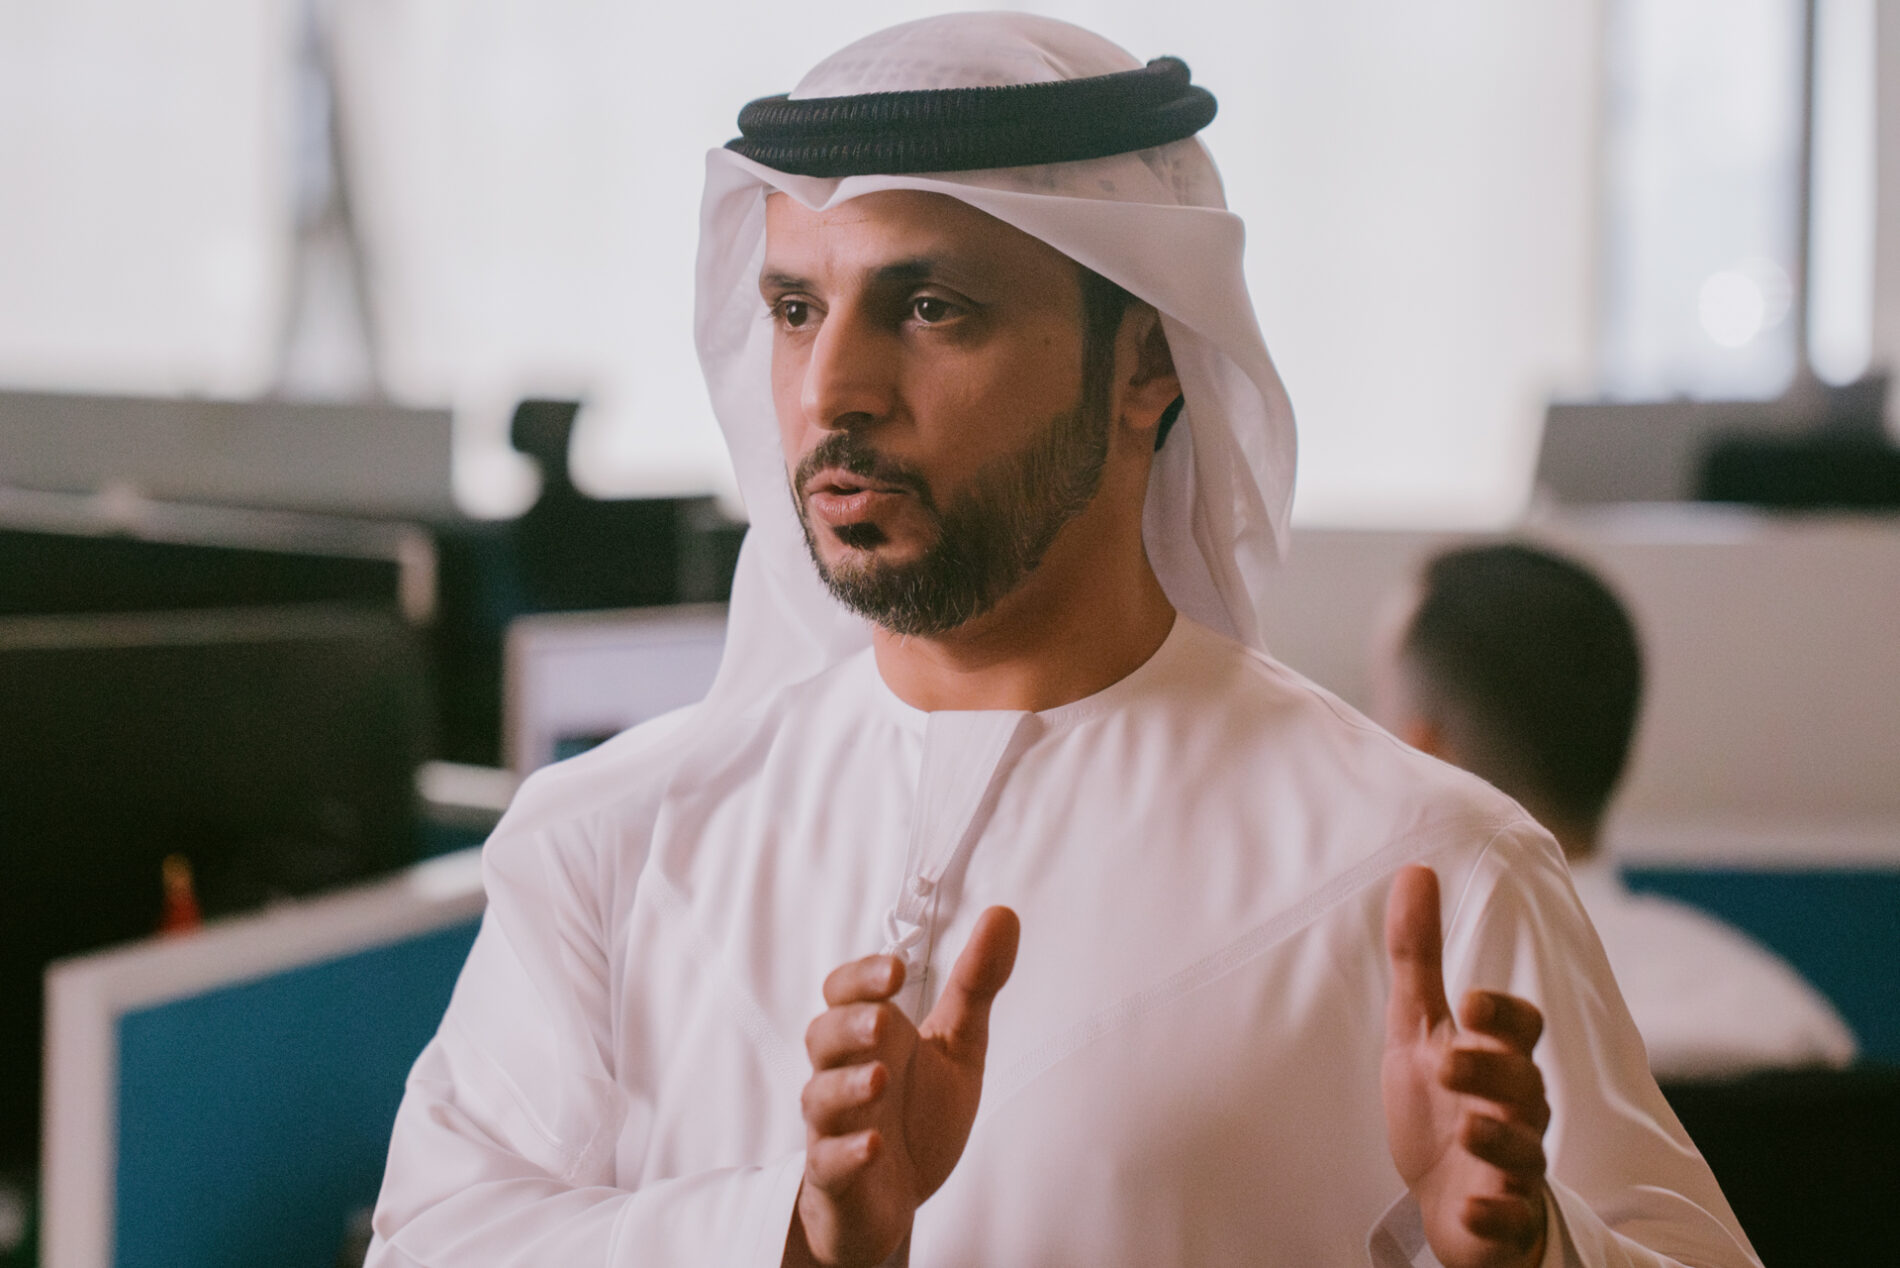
[
  {"x": 919, "y": 268},
  {"x": 774, "y": 281}
]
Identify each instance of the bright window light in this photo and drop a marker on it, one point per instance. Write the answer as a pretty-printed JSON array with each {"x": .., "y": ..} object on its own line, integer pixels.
[
  {"x": 144, "y": 206},
  {"x": 1418, "y": 183},
  {"x": 1702, "y": 147},
  {"x": 1841, "y": 295}
]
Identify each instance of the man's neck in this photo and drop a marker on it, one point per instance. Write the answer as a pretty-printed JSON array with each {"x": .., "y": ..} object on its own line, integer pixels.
[
  {"x": 1578, "y": 841},
  {"x": 1087, "y": 618}
]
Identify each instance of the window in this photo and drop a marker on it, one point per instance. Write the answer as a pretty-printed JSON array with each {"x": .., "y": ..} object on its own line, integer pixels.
[{"x": 1710, "y": 180}]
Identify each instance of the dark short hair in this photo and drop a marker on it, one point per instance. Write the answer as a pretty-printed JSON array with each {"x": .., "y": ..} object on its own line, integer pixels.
[
  {"x": 1104, "y": 304},
  {"x": 1531, "y": 665}
]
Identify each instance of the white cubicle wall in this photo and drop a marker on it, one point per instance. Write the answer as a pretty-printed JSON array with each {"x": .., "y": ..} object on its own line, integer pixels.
[{"x": 377, "y": 460}]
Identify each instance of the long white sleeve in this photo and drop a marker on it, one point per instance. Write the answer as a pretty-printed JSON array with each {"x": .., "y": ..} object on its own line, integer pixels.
[
  {"x": 1519, "y": 927},
  {"x": 477, "y": 1176},
  {"x": 509, "y": 1144}
]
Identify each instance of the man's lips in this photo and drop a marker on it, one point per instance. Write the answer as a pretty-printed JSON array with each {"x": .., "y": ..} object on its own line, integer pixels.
[
  {"x": 838, "y": 481},
  {"x": 838, "y": 497}
]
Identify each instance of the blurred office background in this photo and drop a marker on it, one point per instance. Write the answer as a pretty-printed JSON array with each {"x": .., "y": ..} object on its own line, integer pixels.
[{"x": 354, "y": 461}]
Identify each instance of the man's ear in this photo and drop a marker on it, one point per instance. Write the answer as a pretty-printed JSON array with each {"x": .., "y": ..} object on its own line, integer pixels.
[{"x": 1151, "y": 384}]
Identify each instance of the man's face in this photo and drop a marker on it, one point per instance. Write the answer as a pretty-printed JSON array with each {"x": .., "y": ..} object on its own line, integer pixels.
[{"x": 927, "y": 374}]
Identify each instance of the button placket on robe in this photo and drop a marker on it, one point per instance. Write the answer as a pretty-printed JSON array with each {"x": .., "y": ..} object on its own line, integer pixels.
[{"x": 963, "y": 755}]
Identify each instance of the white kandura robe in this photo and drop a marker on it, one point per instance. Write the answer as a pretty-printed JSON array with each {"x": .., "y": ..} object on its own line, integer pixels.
[{"x": 1184, "y": 1069}]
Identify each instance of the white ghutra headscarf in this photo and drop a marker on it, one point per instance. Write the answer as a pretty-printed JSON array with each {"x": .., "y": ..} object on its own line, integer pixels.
[{"x": 1153, "y": 221}]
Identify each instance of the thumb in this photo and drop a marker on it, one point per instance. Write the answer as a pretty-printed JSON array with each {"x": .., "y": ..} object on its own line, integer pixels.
[
  {"x": 1415, "y": 948},
  {"x": 961, "y": 1019}
]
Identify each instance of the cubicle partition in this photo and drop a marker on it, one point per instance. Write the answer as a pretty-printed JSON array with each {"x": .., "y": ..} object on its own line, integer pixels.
[
  {"x": 224, "y": 1099},
  {"x": 376, "y": 460}
]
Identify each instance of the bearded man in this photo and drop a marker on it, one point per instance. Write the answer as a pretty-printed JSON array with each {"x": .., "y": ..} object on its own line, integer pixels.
[{"x": 1123, "y": 942}]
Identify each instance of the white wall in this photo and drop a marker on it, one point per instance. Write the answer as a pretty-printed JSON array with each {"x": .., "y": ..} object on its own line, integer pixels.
[{"x": 144, "y": 194}]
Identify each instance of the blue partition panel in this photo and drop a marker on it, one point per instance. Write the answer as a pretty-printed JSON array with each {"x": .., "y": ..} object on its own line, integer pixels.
[
  {"x": 1839, "y": 927},
  {"x": 254, "y": 1119}
]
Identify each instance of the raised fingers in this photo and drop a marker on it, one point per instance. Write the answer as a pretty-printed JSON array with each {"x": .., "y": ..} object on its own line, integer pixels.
[
  {"x": 849, "y": 1033},
  {"x": 1516, "y": 1022},
  {"x": 1510, "y": 1147},
  {"x": 840, "y": 1101},
  {"x": 961, "y": 1018},
  {"x": 1514, "y": 1221},
  {"x": 874, "y": 977},
  {"x": 1508, "y": 1080},
  {"x": 1414, "y": 945},
  {"x": 833, "y": 1162}
]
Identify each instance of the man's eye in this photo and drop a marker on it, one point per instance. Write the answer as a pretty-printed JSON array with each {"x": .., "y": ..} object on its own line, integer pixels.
[
  {"x": 931, "y": 310},
  {"x": 792, "y": 313}
]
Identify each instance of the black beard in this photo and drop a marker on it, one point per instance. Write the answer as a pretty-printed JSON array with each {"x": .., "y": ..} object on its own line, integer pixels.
[{"x": 988, "y": 540}]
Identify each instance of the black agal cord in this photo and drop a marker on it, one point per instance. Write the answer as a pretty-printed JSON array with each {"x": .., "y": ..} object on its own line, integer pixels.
[{"x": 966, "y": 129}]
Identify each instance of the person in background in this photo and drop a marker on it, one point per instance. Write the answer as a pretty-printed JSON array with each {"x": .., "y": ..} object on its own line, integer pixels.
[{"x": 1522, "y": 667}]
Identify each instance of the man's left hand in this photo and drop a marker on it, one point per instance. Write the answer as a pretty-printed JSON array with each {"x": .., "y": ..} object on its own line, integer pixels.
[{"x": 1464, "y": 1103}]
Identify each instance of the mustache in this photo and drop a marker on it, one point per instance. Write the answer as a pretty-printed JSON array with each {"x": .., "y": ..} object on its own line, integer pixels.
[{"x": 846, "y": 451}]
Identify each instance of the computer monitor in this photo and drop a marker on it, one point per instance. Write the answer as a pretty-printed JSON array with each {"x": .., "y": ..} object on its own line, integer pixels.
[
  {"x": 224, "y": 1099},
  {"x": 274, "y": 748},
  {"x": 1647, "y": 451},
  {"x": 66, "y": 553},
  {"x": 572, "y": 679}
]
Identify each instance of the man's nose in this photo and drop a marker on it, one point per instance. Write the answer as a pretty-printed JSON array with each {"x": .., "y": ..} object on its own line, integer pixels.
[{"x": 850, "y": 376}]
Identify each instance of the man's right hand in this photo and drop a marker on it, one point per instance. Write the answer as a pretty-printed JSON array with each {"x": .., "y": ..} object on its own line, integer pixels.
[{"x": 890, "y": 1105}]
